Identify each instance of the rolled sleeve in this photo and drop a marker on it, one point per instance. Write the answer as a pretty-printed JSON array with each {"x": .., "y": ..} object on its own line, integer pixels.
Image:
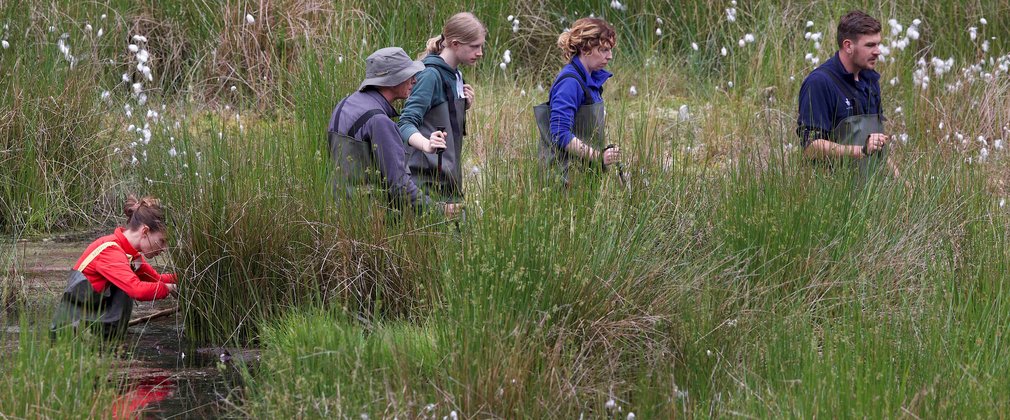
[
  {"x": 566, "y": 97},
  {"x": 816, "y": 111}
]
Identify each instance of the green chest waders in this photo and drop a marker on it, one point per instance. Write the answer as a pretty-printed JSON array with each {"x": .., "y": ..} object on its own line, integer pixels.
[
  {"x": 356, "y": 170},
  {"x": 589, "y": 127},
  {"x": 80, "y": 305},
  {"x": 856, "y": 130},
  {"x": 446, "y": 184}
]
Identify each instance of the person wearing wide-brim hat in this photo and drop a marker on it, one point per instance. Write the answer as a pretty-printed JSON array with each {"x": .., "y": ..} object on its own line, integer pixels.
[{"x": 364, "y": 140}]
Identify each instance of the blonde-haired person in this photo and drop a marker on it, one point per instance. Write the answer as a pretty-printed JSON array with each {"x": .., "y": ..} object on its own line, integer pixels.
[
  {"x": 113, "y": 271},
  {"x": 571, "y": 123},
  {"x": 438, "y": 102}
]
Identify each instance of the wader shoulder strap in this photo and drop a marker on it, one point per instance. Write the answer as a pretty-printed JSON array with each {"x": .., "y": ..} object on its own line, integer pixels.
[
  {"x": 360, "y": 122},
  {"x": 847, "y": 91},
  {"x": 450, "y": 98},
  {"x": 586, "y": 96},
  {"x": 94, "y": 254}
]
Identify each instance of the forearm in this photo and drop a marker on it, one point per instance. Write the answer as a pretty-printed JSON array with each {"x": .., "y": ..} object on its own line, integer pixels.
[
  {"x": 820, "y": 148},
  {"x": 418, "y": 141},
  {"x": 583, "y": 150}
]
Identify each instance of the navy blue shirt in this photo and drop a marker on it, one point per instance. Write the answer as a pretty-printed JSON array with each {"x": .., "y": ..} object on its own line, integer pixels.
[
  {"x": 823, "y": 103},
  {"x": 567, "y": 96}
]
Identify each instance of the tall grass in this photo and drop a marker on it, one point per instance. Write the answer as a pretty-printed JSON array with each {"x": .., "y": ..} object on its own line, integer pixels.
[
  {"x": 65, "y": 377},
  {"x": 730, "y": 279}
]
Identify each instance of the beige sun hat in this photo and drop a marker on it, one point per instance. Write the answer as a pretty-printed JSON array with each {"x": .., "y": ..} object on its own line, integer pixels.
[{"x": 389, "y": 66}]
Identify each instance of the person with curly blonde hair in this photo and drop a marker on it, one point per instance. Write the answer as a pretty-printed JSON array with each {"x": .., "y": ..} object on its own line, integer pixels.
[{"x": 572, "y": 128}]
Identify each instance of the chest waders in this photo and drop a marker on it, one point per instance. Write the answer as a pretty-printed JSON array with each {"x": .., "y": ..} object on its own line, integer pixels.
[
  {"x": 589, "y": 127},
  {"x": 855, "y": 130},
  {"x": 356, "y": 167},
  {"x": 447, "y": 183},
  {"x": 108, "y": 310}
]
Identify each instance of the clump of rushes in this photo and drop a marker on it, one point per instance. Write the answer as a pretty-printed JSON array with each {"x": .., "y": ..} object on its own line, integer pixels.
[
  {"x": 322, "y": 364},
  {"x": 54, "y": 149},
  {"x": 258, "y": 230},
  {"x": 65, "y": 377}
]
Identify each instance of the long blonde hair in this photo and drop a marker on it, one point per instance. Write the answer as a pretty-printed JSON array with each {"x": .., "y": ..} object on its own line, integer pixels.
[
  {"x": 585, "y": 35},
  {"x": 463, "y": 27}
]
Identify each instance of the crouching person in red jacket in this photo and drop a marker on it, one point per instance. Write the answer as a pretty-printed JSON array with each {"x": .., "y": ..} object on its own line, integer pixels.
[{"x": 113, "y": 271}]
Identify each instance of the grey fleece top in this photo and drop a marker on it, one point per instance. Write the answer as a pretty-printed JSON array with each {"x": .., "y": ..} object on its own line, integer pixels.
[{"x": 385, "y": 137}]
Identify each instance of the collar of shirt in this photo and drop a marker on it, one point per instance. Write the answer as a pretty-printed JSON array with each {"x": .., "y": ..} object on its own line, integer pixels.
[
  {"x": 125, "y": 244},
  {"x": 383, "y": 103},
  {"x": 459, "y": 84},
  {"x": 596, "y": 79},
  {"x": 835, "y": 65}
]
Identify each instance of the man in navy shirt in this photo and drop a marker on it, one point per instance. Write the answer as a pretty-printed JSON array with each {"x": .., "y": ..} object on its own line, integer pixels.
[{"x": 840, "y": 115}]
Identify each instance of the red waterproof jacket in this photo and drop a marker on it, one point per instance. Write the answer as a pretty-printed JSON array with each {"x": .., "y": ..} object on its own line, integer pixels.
[{"x": 123, "y": 265}]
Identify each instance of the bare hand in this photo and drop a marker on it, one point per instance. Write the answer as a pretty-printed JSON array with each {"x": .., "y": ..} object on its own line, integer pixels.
[
  {"x": 436, "y": 142},
  {"x": 611, "y": 156},
  {"x": 876, "y": 142},
  {"x": 453, "y": 209},
  {"x": 172, "y": 288},
  {"x": 468, "y": 94}
]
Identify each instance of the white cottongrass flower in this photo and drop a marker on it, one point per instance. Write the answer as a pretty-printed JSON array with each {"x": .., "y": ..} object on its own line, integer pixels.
[
  {"x": 632, "y": 90},
  {"x": 659, "y": 21},
  {"x": 723, "y": 51},
  {"x": 131, "y": 128},
  {"x": 748, "y": 38},
  {"x": 510, "y": 18},
  {"x": 983, "y": 154},
  {"x": 893, "y": 81},
  {"x": 730, "y": 84},
  {"x": 340, "y": 58},
  {"x": 515, "y": 25},
  {"x": 138, "y": 87},
  {"x": 684, "y": 113},
  {"x": 616, "y": 5},
  {"x": 87, "y": 27},
  {"x": 631, "y": 416},
  {"x": 105, "y": 95},
  {"x": 659, "y": 32},
  {"x": 104, "y": 16},
  {"x": 502, "y": 65},
  {"x": 1002, "y": 202},
  {"x": 233, "y": 88},
  {"x": 143, "y": 56},
  {"x": 5, "y": 44},
  {"x": 507, "y": 57},
  {"x": 983, "y": 21},
  {"x": 540, "y": 87},
  {"x": 904, "y": 138},
  {"x": 912, "y": 33},
  {"x": 998, "y": 144},
  {"x": 810, "y": 23},
  {"x": 139, "y": 38},
  {"x": 973, "y": 33},
  {"x": 694, "y": 46},
  {"x": 522, "y": 92},
  {"x": 250, "y": 19},
  {"x": 453, "y": 415},
  {"x": 897, "y": 110},
  {"x": 610, "y": 404},
  {"x": 741, "y": 42},
  {"x": 133, "y": 48},
  {"x": 731, "y": 14}
]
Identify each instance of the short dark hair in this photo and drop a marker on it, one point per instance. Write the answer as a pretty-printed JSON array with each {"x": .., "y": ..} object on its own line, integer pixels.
[{"x": 855, "y": 24}]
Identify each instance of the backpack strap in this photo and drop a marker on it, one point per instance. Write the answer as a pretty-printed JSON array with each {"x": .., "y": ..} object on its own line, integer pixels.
[{"x": 94, "y": 254}]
